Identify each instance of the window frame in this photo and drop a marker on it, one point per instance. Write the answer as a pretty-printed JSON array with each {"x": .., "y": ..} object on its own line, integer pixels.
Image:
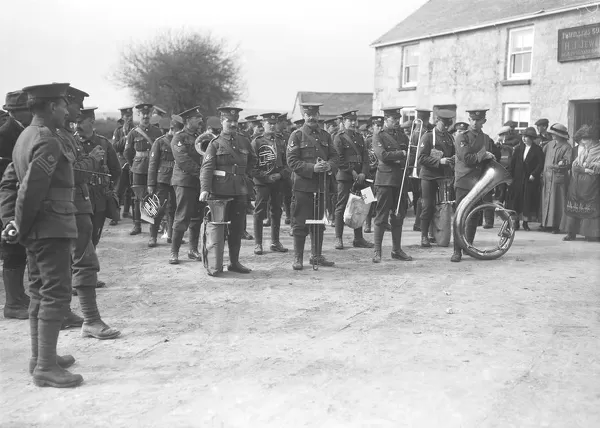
[
  {"x": 404, "y": 83},
  {"x": 509, "y": 63},
  {"x": 407, "y": 112},
  {"x": 507, "y": 117}
]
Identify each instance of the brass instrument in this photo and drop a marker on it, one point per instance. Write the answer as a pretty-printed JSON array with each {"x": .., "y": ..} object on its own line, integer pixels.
[
  {"x": 151, "y": 208},
  {"x": 267, "y": 158},
  {"x": 315, "y": 223},
  {"x": 494, "y": 174},
  {"x": 416, "y": 123}
]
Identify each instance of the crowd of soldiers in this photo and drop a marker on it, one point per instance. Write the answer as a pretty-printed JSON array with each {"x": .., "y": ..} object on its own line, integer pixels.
[{"x": 61, "y": 180}]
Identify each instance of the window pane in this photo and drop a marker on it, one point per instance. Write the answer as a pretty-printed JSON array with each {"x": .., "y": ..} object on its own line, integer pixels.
[
  {"x": 526, "y": 59},
  {"x": 528, "y": 39}
]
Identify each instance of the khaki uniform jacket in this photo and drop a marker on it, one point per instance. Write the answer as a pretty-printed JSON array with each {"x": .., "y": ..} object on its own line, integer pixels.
[
  {"x": 186, "y": 171},
  {"x": 470, "y": 149},
  {"x": 162, "y": 161},
  {"x": 137, "y": 148},
  {"x": 391, "y": 156},
  {"x": 271, "y": 139},
  {"x": 353, "y": 154},
  {"x": 431, "y": 168}
]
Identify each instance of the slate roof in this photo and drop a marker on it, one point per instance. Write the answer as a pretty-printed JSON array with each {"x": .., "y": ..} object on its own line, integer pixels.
[
  {"x": 440, "y": 17},
  {"x": 335, "y": 103}
]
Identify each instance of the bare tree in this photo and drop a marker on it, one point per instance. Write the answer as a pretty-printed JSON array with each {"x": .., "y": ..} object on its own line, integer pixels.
[{"x": 179, "y": 70}]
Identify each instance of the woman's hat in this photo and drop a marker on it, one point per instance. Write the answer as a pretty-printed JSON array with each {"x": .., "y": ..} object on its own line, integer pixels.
[
  {"x": 559, "y": 130},
  {"x": 530, "y": 132}
]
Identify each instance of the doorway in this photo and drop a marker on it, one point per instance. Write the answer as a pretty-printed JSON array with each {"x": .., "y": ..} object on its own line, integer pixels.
[{"x": 585, "y": 112}]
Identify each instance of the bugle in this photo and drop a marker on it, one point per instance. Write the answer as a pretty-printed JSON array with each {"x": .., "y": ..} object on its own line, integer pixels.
[{"x": 417, "y": 124}]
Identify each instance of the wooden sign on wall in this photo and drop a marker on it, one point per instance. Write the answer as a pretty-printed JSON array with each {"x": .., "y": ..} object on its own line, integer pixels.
[{"x": 579, "y": 43}]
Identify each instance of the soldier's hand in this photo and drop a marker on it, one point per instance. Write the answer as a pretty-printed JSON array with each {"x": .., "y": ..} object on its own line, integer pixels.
[
  {"x": 488, "y": 155},
  {"x": 360, "y": 179},
  {"x": 97, "y": 154},
  {"x": 321, "y": 167},
  {"x": 531, "y": 178},
  {"x": 203, "y": 196},
  {"x": 10, "y": 234},
  {"x": 444, "y": 161},
  {"x": 275, "y": 177},
  {"x": 151, "y": 190}
]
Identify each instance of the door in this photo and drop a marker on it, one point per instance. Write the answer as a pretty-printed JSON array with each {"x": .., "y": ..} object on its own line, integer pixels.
[{"x": 587, "y": 113}]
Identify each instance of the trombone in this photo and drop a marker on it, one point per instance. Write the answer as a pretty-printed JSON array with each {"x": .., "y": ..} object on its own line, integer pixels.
[
  {"x": 315, "y": 223},
  {"x": 416, "y": 126}
]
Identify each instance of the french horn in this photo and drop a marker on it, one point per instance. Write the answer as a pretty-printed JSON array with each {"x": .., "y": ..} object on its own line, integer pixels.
[{"x": 494, "y": 174}]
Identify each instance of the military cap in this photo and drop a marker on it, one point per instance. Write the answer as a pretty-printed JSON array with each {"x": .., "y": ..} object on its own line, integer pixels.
[
  {"x": 477, "y": 114},
  {"x": 145, "y": 107},
  {"x": 50, "y": 91},
  {"x": 270, "y": 117},
  {"x": 423, "y": 113},
  {"x": 75, "y": 95},
  {"x": 504, "y": 130},
  {"x": 124, "y": 110},
  {"x": 253, "y": 119},
  {"x": 445, "y": 114},
  {"x": 310, "y": 108},
  {"x": 154, "y": 120},
  {"x": 282, "y": 117},
  {"x": 407, "y": 124},
  {"x": 241, "y": 121},
  {"x": 395, "y": 112},
  {"x": 164, "y": 123},
  {"x": 461, "y": 126},
  {"x": 299, "y": 122},
  {"x": 88, "y": 112},
  {"x": 159, "y": 111},
  {"x": 511, "y": 123},
  {"x": 16, "y": 100},
  {"x": 328, "y": 121},
  {"x": 362, "y": 127},
  {"x": 175, "y": 118},
  {"x": 377, "y": 120},
  {"x": 213, "y": 122},
  {"x": 542, "y": 122},
  {"x": 350, "y": 115},
  {"x": 559, "y": 129},
  {"x": 192, "y": 112},
  {"x": 231, "y": 113}
]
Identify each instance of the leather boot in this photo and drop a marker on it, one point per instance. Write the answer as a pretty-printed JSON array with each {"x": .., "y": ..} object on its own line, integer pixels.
[
  {"x": 488, "y": 218},
  {"x": 93, "y": 326},
  {"x": 193, "y": 253},
  {"x": 234, "y": 261},
  {"x": 317, "y": 250},
  {"x": 17, "y": 302},
  {"x": 425, "y": 241},
  {"x": 359, "y": 241},
  {"x": 276, "y": 245},
  {"x": 368, "y": 223},
  {"x": 339, "y": 232},
  {"x": 47, "y": 372},
  {"x": 457, "y": 255},
  {"x": 64, "y": 361},
  {"x": 397, "y": 252},
  {"x": 177, "y": 238},
  {"x": 418, "y": 209},
  {"x": 169, "y": 228},
  {"x": 378, "y": 232},
  {"x": 258, "y": 235},
  {"x": 71, "y": 320},
  {"x": 299, "y": 241},
  {"x": 153, "y": 235}
]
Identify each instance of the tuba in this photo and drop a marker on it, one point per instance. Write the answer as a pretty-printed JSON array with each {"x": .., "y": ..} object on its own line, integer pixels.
[{"x": 494, "y": 174}]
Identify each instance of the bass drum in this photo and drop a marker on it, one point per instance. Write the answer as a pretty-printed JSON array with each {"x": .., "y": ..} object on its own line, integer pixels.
[{"x": 441, "y": 224}]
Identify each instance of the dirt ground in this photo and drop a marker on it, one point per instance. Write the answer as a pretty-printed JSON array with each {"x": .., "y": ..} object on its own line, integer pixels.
[{"x": 507, "y": 343}]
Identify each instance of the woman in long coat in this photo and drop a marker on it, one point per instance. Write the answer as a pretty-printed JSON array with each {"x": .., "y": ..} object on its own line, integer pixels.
[
  {"x": 554, "y": 181},
  {"x": 527, "y": 164}
]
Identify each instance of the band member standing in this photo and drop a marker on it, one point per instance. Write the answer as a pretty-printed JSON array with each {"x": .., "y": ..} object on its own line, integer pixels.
[
  {"x": 372, "y": 172},
  {"x": 415, "y": 183},
  {"x": 269, "y": 175},
  {"x": 160, "y": 172},
  {"x": 187, "y": 186},
  {"x": 353, "y": 167},
  {"x": 310, "y": 155},
  {"x": 137, "y": 152},
  {"x": 119, "y": 139},
  {"x": 391, "y": 156},
  {"x": 436, "y": 151},
  {"x": 229, "y": 159},
  {"x": 98, "y": 185},
  {"x": 471, "y": 151},
  {"x": 286, "y": 185}
]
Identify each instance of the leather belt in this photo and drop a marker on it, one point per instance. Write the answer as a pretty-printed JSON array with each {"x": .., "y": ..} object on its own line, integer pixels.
[
  {"x": 61, "y": 194},
  {"x": 144, "y": 154},
  {"x": 167, "y": 163},
  {"x": 230, "y": 169}
]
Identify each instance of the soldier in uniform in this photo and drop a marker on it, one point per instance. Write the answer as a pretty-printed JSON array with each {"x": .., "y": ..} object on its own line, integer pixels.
[
  {"x": 186, "y": 171},
  {"x": 98, "y": 185},
  {"x": 137, "y": 152},
  {"x": 213, "y": 129},
  {"x": 415, "y": 183},
  {"x": 270, "y": 173},
  {"x": 228, "y": 161},
  {"x": 471, "y": 152},
  {"x": 436, "y": 159},
  {"x": 372, "y": 171},
  {"x": 160, "y": 172},
  {"x": 311, "y": 156},
  {"x": 353, "y": 167},
  {"x": 391, "y": 155},
  {"x": 255, "y": 127},
  {"x": 119, "y": 139},
  {"x": 331, "y": 126},
  {"x": 407, "y": 127},
  {"x": 286, "y": 185},
  {"x": 39, "y": 214},
  {"x": 14, "y": 258}
]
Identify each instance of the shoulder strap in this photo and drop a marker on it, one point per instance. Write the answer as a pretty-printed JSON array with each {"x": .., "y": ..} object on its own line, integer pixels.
[
  {"x": 143, "y": 134},
  {"x": 351, "y": 141}
]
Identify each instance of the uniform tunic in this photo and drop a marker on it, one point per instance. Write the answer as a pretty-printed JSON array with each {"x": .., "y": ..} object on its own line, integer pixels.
[
  {"x": 160, "y": 174},
  {"x": 304, "y": 147},
  {"x": 119, "y": 140},
  {"x": 391, "y": 156},
  {"x": 44, "y": 212},
  {"x": 554, "y": 182},
  {"x": 268, "y": 189},
  {"x": 137, "y": 152}
]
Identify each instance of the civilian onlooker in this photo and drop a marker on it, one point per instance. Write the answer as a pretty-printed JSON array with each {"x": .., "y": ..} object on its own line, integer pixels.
[
  {"x": 583, "y": 196},
  {"x": 554, "y": 181},
  {"x": 505, "y": 158},
  {"x": 543, "y": 138},
  {"x": 526, "y": 168}
]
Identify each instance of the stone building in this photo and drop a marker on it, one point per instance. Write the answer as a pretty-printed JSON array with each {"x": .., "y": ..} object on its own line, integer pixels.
[
  {"x": 523, "y": 60},
  {"x": 335, "y": 103}
]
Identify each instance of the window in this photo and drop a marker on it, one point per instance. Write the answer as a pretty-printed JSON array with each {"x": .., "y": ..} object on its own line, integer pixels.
[
  {"x": 408, "y": 113},
  {"x": 519, "y": 113},
  {"x": 520, "y": 48},
  {"x": 410, "y": 65}
]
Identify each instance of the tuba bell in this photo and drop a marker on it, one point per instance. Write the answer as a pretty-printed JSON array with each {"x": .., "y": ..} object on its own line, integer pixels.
[{"x": 494, "y": 174}]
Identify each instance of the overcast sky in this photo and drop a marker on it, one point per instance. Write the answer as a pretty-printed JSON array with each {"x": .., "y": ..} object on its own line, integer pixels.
[{"x": 311, "y": 45}]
